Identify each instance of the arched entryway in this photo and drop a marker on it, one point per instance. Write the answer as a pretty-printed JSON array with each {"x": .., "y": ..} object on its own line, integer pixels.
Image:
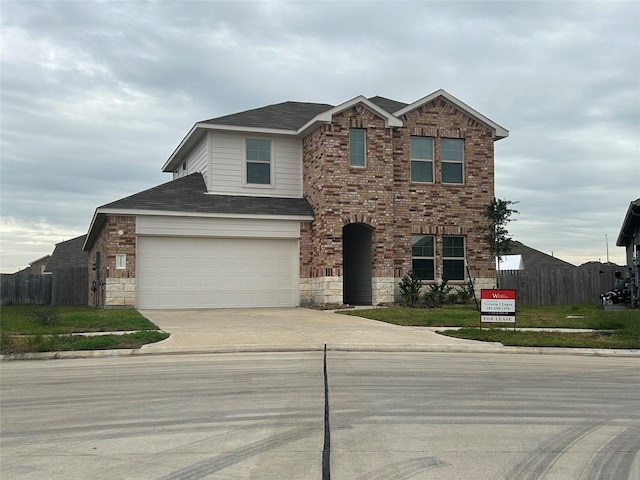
[{"x": 356, "y": 260}]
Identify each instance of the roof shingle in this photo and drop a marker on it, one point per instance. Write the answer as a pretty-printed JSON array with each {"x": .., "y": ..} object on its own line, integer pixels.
[
  {"x": 286, "y": 116},
  {"x": 189, "y": 194}
]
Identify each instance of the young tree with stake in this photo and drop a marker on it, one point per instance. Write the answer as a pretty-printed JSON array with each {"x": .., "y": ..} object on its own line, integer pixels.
[{"x": 498, "y": 212}]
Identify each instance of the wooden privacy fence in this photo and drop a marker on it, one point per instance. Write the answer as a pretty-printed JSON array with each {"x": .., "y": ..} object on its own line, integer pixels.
[
  {"x": 561, "y": 286},
  {"x": 70, "y": 286},
  {"x": 65, "y": 286},
  {"x": 26, "y": 289}
]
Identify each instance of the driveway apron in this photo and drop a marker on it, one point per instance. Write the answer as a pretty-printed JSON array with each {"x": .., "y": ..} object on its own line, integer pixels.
[{"x": 286, "y": 329}]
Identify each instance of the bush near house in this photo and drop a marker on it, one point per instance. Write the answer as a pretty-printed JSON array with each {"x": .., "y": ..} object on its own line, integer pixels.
[{"x": 415, "y": 294}]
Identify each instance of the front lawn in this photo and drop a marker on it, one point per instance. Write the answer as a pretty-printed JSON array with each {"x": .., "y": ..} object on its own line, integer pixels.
[
  {"x": 42, "y": 328},
  {"x": 616, "y": 328}
]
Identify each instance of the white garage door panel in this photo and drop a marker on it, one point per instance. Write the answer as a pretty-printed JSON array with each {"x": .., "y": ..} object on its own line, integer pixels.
[{"x": 216, "y": 273}]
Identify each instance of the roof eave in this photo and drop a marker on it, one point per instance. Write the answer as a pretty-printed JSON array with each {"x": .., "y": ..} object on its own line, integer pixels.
[
  {"x": 173, "y": 213},
  {"x": 391, "y": 121},
  {"x": 498, "y": 131},
  {"x": 174, "y": 159},
  {"x": 235, "y": 128},
  {"x": 633, "y": 213},
  {"x": 200, "y": 128},
  {"x": 97, "y": 222}
]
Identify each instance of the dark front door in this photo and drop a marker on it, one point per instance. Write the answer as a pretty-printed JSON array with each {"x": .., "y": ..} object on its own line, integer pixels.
[{"x": 356, "y": 259}]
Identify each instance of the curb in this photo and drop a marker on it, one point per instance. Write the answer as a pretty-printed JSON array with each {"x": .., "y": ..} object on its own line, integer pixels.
[{"x": 391, "y": 348}]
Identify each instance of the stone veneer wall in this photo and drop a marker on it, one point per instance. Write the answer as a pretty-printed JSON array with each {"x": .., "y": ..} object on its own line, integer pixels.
[
  {"x": 382, "y": 196},
  {"x": 116, "y": 287}
]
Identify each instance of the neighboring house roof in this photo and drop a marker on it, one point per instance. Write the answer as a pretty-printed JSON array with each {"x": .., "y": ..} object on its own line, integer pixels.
[
  {"x": 630, "y": 225},
  {"x": 188, "y": 195},
  {"x": 596, "y": 264},
  {"x": 39, "y": 260},
  {"x": 297, "y": 118},
  {"x": 536, "y": 260},
  {"x": 68, "y": 254}
]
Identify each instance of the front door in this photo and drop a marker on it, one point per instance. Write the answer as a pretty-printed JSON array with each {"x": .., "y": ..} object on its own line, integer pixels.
[{"x": 356, "y": 260}]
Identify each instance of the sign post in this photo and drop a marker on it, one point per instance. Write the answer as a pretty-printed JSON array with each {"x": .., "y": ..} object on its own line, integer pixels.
[{"x": 497, "y": 306}]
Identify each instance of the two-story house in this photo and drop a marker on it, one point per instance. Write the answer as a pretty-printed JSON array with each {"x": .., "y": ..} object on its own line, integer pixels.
[{"x": 299, "y": 203}]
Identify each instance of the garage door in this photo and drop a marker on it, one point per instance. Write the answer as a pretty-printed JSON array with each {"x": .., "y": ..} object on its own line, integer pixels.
[{"x": 177, "y": 272}]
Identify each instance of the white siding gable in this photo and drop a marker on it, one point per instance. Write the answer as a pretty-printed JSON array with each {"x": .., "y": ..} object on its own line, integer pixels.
[
  {"x": 227, "y": 166},
  {"x": 196, "y": 161}
]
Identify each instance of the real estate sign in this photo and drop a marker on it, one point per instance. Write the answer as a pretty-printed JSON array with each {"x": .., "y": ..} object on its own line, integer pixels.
[{"x": 498, "y": 306}]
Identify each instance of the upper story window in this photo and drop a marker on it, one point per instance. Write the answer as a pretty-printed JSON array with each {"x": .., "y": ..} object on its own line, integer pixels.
[
  {"x": 453, "y": 257},
  {"x": 357, "y": 147},
  {"x": 258, "y": 161},
  {"x": 452, "y": 155},
  {"x": 421, "y": 159},
  {"x": 422, "y": 256}
]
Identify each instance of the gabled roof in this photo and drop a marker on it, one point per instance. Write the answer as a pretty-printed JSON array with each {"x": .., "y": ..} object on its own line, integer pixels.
[
  {"x": 297, "y": 118},
  {"x": 39, "y": 260},
  {"x": 68, "y": 254},
  {"x": 188, "y": 196},
  {"x": 498, "y": 131},
  {"x": 630, "y": 225},
  {"x": 533, "y": 259}
]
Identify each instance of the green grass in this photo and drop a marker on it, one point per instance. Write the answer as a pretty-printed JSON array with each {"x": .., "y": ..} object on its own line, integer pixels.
[
  {"x": 27, "y": 320},
  {"x": 616, "y": 328},
  {"x": 603, "y": 339},
  {"x": 44, "y": 329},
  {"x": 59, "y": 343}
]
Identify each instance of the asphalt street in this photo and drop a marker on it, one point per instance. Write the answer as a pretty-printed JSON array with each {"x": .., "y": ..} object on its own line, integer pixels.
[{"x": 262, "y": 416}]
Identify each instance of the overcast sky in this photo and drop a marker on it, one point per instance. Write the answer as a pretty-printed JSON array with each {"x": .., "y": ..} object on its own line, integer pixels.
[{"x": 95, "y": 96}]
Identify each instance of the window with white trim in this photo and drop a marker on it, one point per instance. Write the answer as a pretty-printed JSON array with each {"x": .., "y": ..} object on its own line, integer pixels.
[
  {"x": 258, "y": 161},
  {"x": 452, "y": 158},
  {"x": 421, "y": 159},
  {"x": 121, "y": 261},
  {"x": 423, "y": 256},
  {"x": 453, "y": 255},
  {"x": 357, "y": 147}
]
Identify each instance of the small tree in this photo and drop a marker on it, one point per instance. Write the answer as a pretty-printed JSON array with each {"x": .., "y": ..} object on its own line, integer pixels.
[{"x": 498, "y": 213}]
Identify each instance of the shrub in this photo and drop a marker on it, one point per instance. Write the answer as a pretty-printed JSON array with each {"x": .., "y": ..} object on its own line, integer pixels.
[
  {"x": 439, "y": 294},
  {"x": 410, "y": 286},
  {"x": 466, "y": 293}
]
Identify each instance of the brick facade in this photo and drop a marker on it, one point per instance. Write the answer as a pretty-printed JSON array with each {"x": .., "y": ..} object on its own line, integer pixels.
[
  {"x": 115, "y": 287},
  {"x": 382, "y": 196}
]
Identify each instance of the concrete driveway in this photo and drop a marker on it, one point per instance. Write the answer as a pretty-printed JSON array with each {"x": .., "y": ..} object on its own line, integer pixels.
[{"x": 289, "y": 329}]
